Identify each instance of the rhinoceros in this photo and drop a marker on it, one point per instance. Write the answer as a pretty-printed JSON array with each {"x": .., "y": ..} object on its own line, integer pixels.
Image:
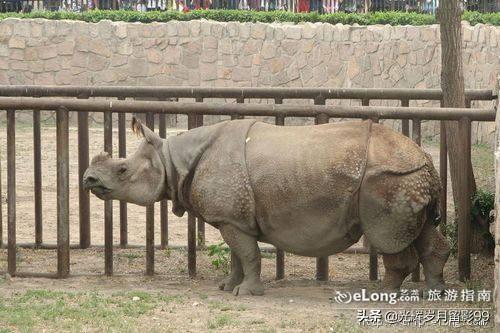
[{"x": 308, "y": 190}]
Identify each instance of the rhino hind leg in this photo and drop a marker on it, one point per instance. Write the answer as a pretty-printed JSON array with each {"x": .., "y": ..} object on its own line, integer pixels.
[
  {"x": 398, "y": 266},
  {"x": 433, "y": 252},
  {"x": 236, "y": 276},
  {"x": 245, "y": 248}
]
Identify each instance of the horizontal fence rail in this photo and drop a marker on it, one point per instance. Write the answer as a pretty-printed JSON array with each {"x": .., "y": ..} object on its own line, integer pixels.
[
  {"x": 54, "y": 98},
  {"x": 382, "y": 112},
  {"x": 271, "y": 92}
]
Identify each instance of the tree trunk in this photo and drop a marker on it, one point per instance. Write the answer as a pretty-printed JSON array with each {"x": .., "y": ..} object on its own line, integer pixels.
[{"x": 452, "y": 82}]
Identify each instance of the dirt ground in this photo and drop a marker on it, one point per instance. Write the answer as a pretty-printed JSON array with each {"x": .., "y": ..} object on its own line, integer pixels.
[{"x": 298, "y": 303}]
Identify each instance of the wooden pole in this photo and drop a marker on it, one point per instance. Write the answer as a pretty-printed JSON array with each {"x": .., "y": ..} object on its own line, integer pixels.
[
  {"x": 497, "y": 211},
  {"x": 108, "y": 204},
  {"x": 405, "y": 123},
  {"x": 122, "y": 153},
  {"x": 453, "y": 86},
  {"x": 443, "y": 175},
  {"x": 464, "y": 201},
  {"x": 11, "y": 191},
  {"x": 201, "y": 223},
  {"x": 83, "y": 163},
  {"x": 280, "y": 254},
  {"x": 417, "y": 138},
  {"x": 62, "y": 138},
  {"x": 191, "y": 234},
  {"x": 37, "y": 170},
  {"x": 373, "y": 266},
  {"x": 150, "y": 217},
  {"x": 322, "y": 266},
  {"x": 162, "y": 128}
]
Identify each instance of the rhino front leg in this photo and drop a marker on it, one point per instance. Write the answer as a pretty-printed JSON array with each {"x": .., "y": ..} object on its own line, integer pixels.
[
  {"x": 245, "y": 248},
  {"x": 236, "y": 276}
]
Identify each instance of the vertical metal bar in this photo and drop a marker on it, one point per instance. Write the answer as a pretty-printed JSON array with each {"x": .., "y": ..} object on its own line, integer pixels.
[
  {"x": 191, "y": 234},
  {"x": 108, "y": 204},
  {"x": 150, "y": 217},
  {"x": 322, "y": 266},
  {"x": 373, "y": 266},
  {"x": 37, "y": 168},
  {"x": 11, "y": 191},
  {"x": 62, "y": 138},
  {"x": 443, "y": 174},
  {"x": 280, "y": 254},
  {"x": 83, "y": 163},
  {"x": 405, "y": 123},
  {"x": 162, "y": 128},
  {"x": 122, "y": 153},
  {"x": 464, "y": 201}
]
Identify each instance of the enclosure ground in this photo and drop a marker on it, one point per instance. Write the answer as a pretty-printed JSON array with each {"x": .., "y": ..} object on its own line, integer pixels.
[{"x": 170, "y": 301}]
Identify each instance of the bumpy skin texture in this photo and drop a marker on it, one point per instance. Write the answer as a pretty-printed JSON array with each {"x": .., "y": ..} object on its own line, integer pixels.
[{"x": 309, "y": 190}]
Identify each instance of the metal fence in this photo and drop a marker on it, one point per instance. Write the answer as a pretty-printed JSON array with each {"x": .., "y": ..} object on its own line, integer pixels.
[
  {"x": 77, "y": 99},
  {"x": 321, "y": 6}
]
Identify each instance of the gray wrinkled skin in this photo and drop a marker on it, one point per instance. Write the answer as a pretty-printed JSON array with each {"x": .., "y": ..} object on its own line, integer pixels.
[{"x": 309, "y": 190}]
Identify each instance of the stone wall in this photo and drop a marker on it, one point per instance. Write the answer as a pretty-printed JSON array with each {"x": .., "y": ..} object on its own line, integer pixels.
[{"x": 215, "y": 54}]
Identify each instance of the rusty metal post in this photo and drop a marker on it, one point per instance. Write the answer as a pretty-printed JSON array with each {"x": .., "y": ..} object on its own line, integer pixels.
[
  {"x": 280, "y": 254},
  {"x": 11, "y": 191},
  {"x": 37, "y": 169},
  {"x": 108, "y": 204},
  {"x": 464, "y": 201},
  {"x": 405, "y": 123},
  {"x": 322, "y": 266},
  {"x": 150, "y": 217},
  {"x": 62, "y": 138},
  {"x": 443, "y": 175},
  {"x": 162, "y": 128},
  {"x": 201, "y": 223},
  {"x": 122, "y": 152},
  {"x": 83, "y": 163}
]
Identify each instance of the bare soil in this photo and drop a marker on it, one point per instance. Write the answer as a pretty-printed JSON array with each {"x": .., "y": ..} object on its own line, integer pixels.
[{"x": 297, "y": 303}]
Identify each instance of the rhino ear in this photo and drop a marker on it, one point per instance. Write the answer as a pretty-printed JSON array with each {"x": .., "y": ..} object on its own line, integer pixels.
[{"x": 144, "y": 131}]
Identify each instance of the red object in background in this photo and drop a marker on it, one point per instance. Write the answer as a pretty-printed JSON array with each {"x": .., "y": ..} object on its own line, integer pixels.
[{"x": 304, "y": 6}]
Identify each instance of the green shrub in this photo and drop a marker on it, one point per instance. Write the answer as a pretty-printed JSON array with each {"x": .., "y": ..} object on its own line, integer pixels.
[
  {"x": 392, "y": 18},
  {"x": 483, "y": 202},
  {"x": 221, "y": 255}
]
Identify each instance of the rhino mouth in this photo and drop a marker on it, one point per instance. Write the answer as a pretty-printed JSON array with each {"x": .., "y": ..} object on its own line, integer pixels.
[{"x": 100, "y": 190}]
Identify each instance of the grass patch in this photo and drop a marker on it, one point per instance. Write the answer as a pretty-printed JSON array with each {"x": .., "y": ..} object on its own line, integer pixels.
[
  {"x": 221, "y": 321},
  {"x": 56, "y": 311},
  {"x": 224, "y": 15}
]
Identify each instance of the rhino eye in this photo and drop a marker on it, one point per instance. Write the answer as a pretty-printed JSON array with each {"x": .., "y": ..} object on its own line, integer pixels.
[{"x": 122, "y": 170}]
